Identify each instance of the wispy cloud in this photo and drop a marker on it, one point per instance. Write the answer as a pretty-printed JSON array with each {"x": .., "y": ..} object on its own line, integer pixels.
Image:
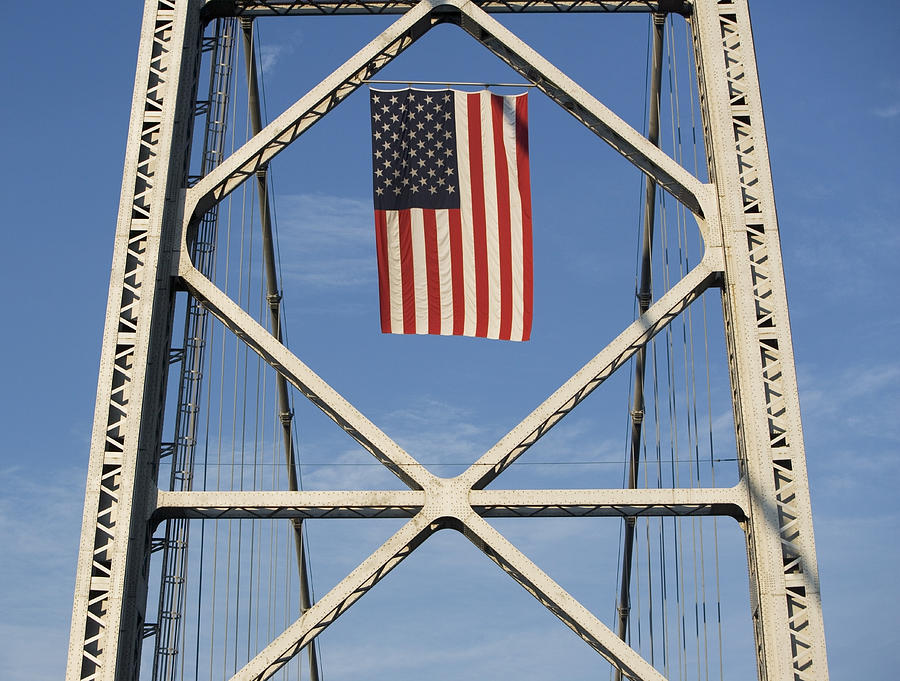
[
  {"x": 39, "y": 525},
  {"x": 890, "y": 111},
  {"x": 270, "y": 55},
  {"x": 326, "y": 241},
  {"x": 860, "y": 399}
]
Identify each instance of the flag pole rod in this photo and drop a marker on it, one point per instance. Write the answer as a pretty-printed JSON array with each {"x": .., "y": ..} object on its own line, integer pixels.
[{"x": 448, "y": 83}]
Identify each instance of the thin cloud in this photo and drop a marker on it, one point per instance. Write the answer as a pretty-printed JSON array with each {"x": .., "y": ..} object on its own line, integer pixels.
[
  {"x": 326, "y": 241},
  {"x": 890, "y": 111},
  {"x": 40, "y": 519},
  {"x": 270, "y": 55}
]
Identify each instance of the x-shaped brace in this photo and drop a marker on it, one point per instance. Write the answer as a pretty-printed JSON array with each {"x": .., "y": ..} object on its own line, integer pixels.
[{"x": 448, "y": 501}]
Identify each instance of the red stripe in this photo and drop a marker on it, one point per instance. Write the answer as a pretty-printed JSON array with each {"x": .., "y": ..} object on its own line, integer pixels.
[
  {"x": 476, "y": 174},
  {"x": 432, "y": 272},
  {"x": 503, "y": 219},
  {"x": 384, "y": 279},
  {"x": 456, "y": 273},
  {"x": 407, "y": 273},
  {"x": 525, "y": 193}
]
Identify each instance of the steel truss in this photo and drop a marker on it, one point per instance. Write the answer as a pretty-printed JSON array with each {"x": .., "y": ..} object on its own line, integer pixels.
[{"x": 159, "y": 215}]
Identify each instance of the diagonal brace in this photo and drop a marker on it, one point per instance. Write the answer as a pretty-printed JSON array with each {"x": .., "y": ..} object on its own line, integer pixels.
[
  {"x": 557, "y": 600},
  {"x": 326, "y": 610},
  {"x": 308, "y": 110},
  {"x": 595, "y": 372},
  {"x": 310, "y": 385},
  {"x": 664, "y": 170}
]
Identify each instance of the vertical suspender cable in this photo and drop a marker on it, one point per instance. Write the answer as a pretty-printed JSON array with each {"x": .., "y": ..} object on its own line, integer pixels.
[
  {"x": 644, "y": 295},
  {"x": 273, "y": 297}
]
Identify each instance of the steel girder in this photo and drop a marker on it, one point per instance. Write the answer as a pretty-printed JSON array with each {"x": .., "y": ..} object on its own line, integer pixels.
[
  {"x": 784, "y": 582},
  {"x": 266, "y": 8},
  {"x": 556, "y": 503},
  {"x": 156, "y": 221},
  {"x": 111, "y": 586}
]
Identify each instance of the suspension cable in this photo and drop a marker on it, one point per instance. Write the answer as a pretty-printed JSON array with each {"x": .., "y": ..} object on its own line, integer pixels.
[
  {"x": 644, "y": 296},
  {"x": 273, "y": 297}
]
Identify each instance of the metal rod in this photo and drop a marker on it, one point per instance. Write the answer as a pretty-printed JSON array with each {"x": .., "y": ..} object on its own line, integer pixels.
[
  {"x": 273, "y": 296},
  {"x": 448, "y": 83},
  {"x": 644, "y": 294}
]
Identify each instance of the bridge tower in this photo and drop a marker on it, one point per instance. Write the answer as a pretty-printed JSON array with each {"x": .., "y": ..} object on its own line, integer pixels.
[{"x": 159, "y": 263}]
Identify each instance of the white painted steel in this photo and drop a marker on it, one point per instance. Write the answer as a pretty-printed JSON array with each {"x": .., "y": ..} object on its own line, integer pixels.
[
  {"x": 122, "y": 501},
  {"x": 784, "y": 584},
  {"x": 522, "y": 503},
  {"x": 110, "y": 586},
  {"x": 305, "y": 7}
]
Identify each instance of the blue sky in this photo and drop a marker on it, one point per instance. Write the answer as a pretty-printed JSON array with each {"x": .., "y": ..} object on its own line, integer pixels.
[{"x": 831, "y": 91}]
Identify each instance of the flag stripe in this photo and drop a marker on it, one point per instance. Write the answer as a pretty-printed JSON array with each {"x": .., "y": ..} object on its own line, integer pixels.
[
  {"x": 445, "y": 275},
  {"x": 467, "y": 226},
  {"x": 523, "y": 177},
  {"x": 515, "y": 219},
  {"x": 491, "y": 215},
  {"x": 503, "y": 219},
  {"x": 419, "y": 268},
  {"x": 407, "y": 272},
  {"x": 432, "y": 273},
  {"x": 476, "y": 173},
  {"x": 458, "y": 278},
  {"x": 384, "y": 275},
  {"x": 392, "y": 237}
]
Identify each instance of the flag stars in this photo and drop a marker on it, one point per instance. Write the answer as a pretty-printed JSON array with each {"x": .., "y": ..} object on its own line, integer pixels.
[{"x": 414, "y": 149}]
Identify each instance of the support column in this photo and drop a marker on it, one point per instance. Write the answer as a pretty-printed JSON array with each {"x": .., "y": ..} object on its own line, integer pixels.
[
  {"x": 111, "y": 582},
  {"x": 784, "y": 584}
]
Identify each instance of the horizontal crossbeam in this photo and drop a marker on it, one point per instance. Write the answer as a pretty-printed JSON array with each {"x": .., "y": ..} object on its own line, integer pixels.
[
  {"x": 523, "y": 503},
  {"x": 268, "y": 8}
]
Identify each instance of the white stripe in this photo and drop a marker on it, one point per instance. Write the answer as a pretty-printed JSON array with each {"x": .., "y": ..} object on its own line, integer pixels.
[
  {"x": 444, "y": 271},
  {"x": 420, "y": 274},
  {"x": 465, "y": 196},
  {"x": 515, "y": 217},
  {"x": 490, "y": 216},
  {"x": 392, "y": 244}
]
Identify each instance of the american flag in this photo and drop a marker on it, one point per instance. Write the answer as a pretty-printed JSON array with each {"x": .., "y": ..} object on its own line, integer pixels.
[{"x": 452, "y": 212}]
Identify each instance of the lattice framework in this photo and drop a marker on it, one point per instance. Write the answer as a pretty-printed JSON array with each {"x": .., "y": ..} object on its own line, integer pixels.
[{"x": 736, "y": 216}]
